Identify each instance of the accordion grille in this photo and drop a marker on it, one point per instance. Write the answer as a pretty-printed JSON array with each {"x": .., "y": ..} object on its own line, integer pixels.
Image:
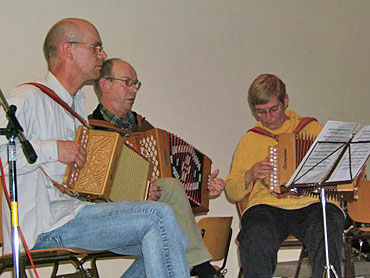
[{"x": 132, "y": 169}]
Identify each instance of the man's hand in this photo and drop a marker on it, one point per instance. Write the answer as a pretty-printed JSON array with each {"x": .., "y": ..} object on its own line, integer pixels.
[
  {"x": 215, "y": 185},
  {"x": 71, "y": 153},
  {"x": 154, "y": 191}
]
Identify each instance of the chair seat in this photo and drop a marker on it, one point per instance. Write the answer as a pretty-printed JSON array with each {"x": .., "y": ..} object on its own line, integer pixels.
[
  {"x": 75, "y": 251},
  {"x": 291, "y": 241},
  {"x": 56, "y": 256}
]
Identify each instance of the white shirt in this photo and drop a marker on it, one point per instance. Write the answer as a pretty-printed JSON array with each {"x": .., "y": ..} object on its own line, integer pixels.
[{"x": 42, "y": 207}]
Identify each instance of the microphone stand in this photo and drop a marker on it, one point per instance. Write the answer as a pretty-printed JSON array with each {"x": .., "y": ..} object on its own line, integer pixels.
[{"x": 12, "y": 131}]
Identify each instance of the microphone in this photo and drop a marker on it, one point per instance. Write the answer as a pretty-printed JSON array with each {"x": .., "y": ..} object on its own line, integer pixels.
[{"x": 27, "y": 148}]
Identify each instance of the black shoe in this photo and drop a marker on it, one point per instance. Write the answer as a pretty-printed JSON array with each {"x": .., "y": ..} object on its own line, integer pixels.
[
  {"x": 205, "y": 270},
  {"x": 217, "y": 275}
]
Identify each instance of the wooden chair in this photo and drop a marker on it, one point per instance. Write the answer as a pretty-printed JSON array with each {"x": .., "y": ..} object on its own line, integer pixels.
[
  {"x": 54, "y": 256},
  {"x": 291, "y": 242},
  {"x": 359, "y": 211},
  {"x": 216, "y": 233}
]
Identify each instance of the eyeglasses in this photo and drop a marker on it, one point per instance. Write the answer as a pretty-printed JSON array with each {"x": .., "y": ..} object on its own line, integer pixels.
[
  {"x": 97, "y": 47},
  {"x": 263, "y": 112},
  {"x": 127, "y": 81}
]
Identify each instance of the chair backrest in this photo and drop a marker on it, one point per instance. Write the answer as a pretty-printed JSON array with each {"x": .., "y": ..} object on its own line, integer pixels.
[
  {"x": 216, "y": 232},
  {"x": 359, "y": 210}
]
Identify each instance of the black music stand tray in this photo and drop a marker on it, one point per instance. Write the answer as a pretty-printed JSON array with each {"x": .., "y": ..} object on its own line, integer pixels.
[{"x": 320, "y": 187}]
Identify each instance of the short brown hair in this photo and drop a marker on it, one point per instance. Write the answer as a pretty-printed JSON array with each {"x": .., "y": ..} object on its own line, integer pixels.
[
  {"x": 264, "y": 88},
  {"x": 105, "y": 72}
]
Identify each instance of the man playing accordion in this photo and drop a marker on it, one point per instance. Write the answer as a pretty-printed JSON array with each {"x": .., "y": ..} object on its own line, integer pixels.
[{"x": 116, "y": 89}]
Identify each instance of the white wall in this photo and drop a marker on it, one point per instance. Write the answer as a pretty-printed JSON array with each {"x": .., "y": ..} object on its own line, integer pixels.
[{"x": 196, "y": 60}]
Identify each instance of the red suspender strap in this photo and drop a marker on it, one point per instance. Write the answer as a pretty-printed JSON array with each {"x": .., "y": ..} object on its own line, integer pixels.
[
  {"x": 261, "y": 131},
  {"x": 57, "y": 99},
  {"x": 305, "y": 121}
]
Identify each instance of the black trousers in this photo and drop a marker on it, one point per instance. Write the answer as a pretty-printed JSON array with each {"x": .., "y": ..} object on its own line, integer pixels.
[{"x": 264, "y": 228}]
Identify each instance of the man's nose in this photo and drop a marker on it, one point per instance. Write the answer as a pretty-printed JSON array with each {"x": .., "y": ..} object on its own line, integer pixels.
[{"x": 103, "y": 54}]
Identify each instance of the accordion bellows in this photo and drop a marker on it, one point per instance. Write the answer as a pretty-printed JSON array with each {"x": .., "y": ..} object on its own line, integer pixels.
[
  {"x": 172, "y": 156},
  {"x": 111, "y": 169}
]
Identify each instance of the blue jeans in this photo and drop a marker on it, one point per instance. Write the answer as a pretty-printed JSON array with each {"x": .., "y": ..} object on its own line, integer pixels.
[{"x": 148, "y": 229}]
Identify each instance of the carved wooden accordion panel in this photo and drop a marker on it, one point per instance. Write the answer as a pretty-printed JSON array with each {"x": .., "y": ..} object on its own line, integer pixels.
[
  {"x": 171, "y": 156},
  {"x": 285, "y": 158},
  {"x": 113, "y": 170}
]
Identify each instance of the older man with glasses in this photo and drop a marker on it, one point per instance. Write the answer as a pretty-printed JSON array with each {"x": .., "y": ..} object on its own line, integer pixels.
[
  {"x": 268, "y": 219},
  {"x": 116, "y": 89}
]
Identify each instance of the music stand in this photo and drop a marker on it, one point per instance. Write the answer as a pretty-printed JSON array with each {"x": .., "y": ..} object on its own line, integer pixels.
[{"x": 338, "y": 154}]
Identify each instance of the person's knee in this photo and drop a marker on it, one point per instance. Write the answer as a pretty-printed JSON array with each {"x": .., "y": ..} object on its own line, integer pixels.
[
  {"x": 162, "y": 210},
  {"x": 171, "y": 186},
  {"x": 167, "y": 215}
]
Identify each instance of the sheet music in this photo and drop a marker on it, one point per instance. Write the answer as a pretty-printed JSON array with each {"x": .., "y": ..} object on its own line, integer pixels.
[
  {"x": 360, "y": 150},
  {"x": 323, "y": 153}
]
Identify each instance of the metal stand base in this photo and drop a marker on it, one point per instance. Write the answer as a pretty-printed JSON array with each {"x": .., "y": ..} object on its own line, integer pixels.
[{"x": 328, "y": 267}]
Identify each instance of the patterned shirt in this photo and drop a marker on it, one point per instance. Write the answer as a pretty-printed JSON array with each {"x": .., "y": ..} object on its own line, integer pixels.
[{"x": 118, "y": 121}]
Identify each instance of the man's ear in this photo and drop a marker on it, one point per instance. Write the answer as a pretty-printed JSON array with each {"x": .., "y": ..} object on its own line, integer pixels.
[
  {"x": 104, "y": 84},
  {"x": 66, "y": 50}
]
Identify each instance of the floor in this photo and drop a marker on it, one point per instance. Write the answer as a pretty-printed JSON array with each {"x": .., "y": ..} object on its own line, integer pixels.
[{"x": 287, "y": 269}]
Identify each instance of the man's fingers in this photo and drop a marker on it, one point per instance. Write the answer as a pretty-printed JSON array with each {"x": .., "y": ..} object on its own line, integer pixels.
[{"x": 214, "y": 175}]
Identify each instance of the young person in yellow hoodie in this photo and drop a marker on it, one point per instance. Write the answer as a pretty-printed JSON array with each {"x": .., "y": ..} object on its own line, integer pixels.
[{"x": 267, "y": 219}]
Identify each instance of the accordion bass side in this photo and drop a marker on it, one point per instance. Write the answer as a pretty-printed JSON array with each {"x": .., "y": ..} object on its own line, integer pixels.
[
  {"x": 113, "y": 171},
  {"x": 285, "y": 158},
  {"x": 171, "y": 156}
]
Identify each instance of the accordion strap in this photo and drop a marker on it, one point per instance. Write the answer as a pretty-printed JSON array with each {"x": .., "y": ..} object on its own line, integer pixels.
[
  {"x": 142, "y": 125},
  {"x": 261, "y": 131},
  {"x": 59, "y": 186},
  {"x": 57, "y": 99},
  {"x": 107, "y": 125},
  {"x": 61, "y": 102},
  {"x": 304, "y": 122},
  {"x": 140, "y": 120}
]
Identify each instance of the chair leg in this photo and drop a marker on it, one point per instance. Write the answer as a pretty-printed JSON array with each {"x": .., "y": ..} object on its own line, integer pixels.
[
  {"x": 80, "y": 267},
  {"x": 300, "y": 261},
  {"x": 349, "y": 269},
  {"x": 94, "y": 267},
  {"x": 55, "y": 270},
  {"x": 22, "y": 267},
  {"x": 240, "y": 275}
]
